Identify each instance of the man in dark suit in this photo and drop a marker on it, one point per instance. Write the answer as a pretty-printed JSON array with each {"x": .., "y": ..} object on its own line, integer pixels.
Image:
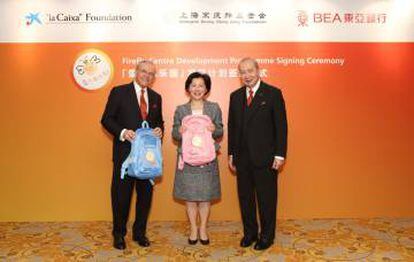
[
  {"x": 128, "y": 105},
  {"x": 257, "y": 142}
]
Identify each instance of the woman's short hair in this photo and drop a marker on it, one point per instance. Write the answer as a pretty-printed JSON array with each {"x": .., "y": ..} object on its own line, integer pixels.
[{"x": 206, "y": 78}]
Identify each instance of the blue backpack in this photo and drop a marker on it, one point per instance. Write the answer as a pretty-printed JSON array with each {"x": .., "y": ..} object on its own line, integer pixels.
[{"x": 145, "y": 159}]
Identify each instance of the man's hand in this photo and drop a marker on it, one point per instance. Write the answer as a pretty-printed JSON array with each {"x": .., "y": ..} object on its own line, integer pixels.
[
  {"x": 231, "y": 164},
  {"x": 129, "y": 135},
  {"x": 278, "y": 163},
  {"x": 157, "y": 132}
]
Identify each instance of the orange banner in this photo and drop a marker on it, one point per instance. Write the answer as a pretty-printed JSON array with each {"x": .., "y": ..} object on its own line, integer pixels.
[{"x": 349, "y": 110}]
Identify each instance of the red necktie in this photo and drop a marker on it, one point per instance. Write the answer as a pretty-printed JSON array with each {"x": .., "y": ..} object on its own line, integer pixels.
[
  {"x": 250, "y": 97},
  {"x": 143, "y": 105}
]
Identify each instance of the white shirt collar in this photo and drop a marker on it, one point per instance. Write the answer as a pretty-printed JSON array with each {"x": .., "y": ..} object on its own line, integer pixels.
[
  {"x": 256, "y": 86},
  {"x": 138, "y": 87}
]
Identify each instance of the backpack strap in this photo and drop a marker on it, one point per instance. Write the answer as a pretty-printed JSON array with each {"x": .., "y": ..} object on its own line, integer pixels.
[
  {"x": 145, "y": 124},
  {"x": 180, "y": 162},
  {"x": 124, "y": 167}
]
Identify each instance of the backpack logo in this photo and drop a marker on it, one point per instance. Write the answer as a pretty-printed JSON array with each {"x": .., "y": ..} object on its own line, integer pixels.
[{"x": 197, "y": 141}]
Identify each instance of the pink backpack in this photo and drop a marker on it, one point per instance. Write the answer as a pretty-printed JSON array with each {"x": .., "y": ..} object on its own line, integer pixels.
[{"x": 197, "y": 141}]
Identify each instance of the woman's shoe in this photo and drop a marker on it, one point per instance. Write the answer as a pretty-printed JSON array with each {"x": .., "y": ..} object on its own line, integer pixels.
[
  {"x": 205, "y": 242},
  {"x": 193, "y": 242}
]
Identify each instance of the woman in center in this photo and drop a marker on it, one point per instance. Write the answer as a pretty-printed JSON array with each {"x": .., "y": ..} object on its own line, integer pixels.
[{"x": 197, "y": 185}]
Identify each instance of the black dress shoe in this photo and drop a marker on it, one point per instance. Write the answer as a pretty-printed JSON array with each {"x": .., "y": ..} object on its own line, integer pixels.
[
  {"x": 143, "y": 241},
  {"x": 263, "y": 244},
  {"x": 192, "y": 242},
  {"x": 119, "y": 242},
  {"x": 247, "y": 241},
  {"x": 205, "y": 241}
]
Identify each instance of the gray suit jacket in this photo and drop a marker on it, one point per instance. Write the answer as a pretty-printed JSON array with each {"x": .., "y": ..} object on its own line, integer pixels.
[{"x": 210, "y": 109}]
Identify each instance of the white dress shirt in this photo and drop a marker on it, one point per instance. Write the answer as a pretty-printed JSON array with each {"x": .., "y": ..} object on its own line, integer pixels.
[
  {"x": 256, "y": 86},
  {"x": 138, "y": 89}
]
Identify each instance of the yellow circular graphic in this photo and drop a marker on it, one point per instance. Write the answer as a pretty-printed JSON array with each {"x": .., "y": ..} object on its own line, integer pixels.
[
  {"x": 92, "y": 69},
  {"x": 150, "y": 156},
  {"x": 197, "y": 141}
]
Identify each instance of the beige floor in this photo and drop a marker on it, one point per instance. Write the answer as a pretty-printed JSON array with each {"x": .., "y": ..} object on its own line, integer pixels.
[{"x": 297, "y": 240}]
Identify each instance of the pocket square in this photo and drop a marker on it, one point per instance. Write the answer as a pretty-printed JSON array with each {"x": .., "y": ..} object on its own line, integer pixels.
[{"x": 263, "y": 103}]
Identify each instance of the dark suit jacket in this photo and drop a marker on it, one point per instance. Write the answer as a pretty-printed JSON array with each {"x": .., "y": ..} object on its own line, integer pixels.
[
  {"x": 262, "y": 128},
  {"x": 122, "y": 111}
]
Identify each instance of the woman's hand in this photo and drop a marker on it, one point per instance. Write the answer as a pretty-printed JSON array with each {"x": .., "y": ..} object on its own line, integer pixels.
[
  {"x": 182, "y": 129},
  {"x": 211, "y": 128}
]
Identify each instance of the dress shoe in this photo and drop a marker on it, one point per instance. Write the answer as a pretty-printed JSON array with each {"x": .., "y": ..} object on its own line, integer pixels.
[
  {"x": 119, "y": 242},
  {"x": 192, "y": 242},
  {"x": 205, "y": 241},
  {"x": 263, "y": 244},
  {"x": 247, "y": 241},
  {"x": 143, "y": 241}
]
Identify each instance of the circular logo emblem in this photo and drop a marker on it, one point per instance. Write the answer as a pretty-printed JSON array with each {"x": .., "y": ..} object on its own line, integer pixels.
[
  {"x": 197, "y": 141},
  {"x": 150, "y": 156},
  {"x": 93, "y": 69}
]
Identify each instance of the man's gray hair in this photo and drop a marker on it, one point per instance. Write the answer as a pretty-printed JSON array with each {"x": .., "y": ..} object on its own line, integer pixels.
[
  {"x": 249, "y": 59},
  {"x": 143, "y": 62}
]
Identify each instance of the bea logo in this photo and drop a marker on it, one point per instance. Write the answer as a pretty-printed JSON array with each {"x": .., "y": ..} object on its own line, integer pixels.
[{"x": 302, "y": 18}]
